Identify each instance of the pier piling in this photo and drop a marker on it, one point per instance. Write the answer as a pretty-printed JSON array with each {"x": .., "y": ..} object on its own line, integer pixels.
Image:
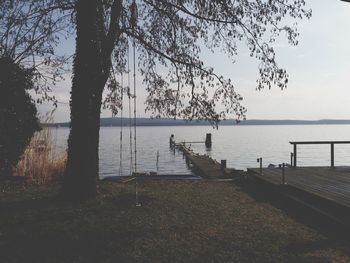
[{"x": 208, "y": 140}]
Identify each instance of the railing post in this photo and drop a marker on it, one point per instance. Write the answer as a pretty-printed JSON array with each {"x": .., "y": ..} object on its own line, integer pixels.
[
  {"x": 331, "y": 143},
  {"x": 283, "y": 173},
  {"x": 291, "y": 159},
  {"x": 295, "y": 154},
  {"x": 332, "y": 154},
  {"x": 223, "y": 165}
]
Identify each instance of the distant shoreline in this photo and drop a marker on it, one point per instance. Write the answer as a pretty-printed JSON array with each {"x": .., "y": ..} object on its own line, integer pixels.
[{"x": 116, "y": 122}]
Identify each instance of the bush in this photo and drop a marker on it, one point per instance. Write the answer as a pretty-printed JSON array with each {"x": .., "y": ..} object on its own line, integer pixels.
[{"x": 18, "y": 120}]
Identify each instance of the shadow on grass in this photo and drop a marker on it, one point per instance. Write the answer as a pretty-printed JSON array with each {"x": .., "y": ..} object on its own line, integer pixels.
[
  {"x": 33, "y": 203},
  {"x": 307, "y": 247},
  {"x": 89, "y": 246},
  {"x": 49, "y": 229},
  {"x": 129, "y": 200}
]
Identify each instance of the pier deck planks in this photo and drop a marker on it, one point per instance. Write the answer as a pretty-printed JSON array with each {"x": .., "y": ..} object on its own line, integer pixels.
[
  {"x": 206, "y": 166},
  {"x": 331, "y": 183}
]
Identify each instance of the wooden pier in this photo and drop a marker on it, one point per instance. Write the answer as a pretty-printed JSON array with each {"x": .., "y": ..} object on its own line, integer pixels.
[
  {"x": 326, "y": 189},
  {"x": 205, "y": 166}
]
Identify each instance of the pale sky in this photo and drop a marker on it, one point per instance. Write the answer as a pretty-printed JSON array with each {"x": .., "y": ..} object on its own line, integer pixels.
[{"x": 319, "y": 70}]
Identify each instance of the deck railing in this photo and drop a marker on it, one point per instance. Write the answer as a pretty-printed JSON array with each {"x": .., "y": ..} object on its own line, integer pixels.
[{"x": 331, "y": 143}]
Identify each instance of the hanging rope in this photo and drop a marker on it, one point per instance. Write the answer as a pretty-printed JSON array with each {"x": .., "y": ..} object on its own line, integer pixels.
[
  {"x": 121, "y": 128},
  {"x": 130, "y": 113},
  {"x": 121, "y": 118},
  {"x": 135, "y": 142},
  {"x": 133, "y": 22}
]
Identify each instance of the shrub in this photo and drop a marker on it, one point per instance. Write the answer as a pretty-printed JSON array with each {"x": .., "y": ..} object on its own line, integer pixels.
[{"x": 18, "y": 120}]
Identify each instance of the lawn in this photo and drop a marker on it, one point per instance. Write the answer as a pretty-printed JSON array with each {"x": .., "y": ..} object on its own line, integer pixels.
[{"x": 177, "y": 222}]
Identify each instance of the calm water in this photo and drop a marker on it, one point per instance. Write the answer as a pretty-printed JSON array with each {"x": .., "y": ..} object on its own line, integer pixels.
[{"x": 239, "y": 145}]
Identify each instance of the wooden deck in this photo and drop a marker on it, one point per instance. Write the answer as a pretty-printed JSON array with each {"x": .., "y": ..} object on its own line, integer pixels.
[
  {"x": 331, "y": 183},
  {"x": 325, "y": 190}
]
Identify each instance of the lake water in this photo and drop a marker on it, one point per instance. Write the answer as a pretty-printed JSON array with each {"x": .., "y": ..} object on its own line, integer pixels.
[{"x": 239, "y": 145}]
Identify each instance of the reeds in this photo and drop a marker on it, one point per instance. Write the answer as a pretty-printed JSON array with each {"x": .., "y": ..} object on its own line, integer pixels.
[{"x": 41, "y": 163}]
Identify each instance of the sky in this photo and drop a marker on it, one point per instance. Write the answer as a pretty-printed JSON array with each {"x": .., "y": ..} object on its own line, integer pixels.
[{"x": 318, "y": 68}]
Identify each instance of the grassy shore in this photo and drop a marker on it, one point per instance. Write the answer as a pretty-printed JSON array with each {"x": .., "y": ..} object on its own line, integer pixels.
[{"x": 177, "y": 222}]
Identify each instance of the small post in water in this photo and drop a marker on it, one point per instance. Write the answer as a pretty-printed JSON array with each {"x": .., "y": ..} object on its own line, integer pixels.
[
  {"x": 208, "y": 140},
  {"x": 283, "y": 173},
  {"x": 259, "y": 160}
]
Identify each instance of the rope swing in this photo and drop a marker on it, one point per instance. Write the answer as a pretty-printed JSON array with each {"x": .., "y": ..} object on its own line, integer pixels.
[
  {"x": 121, "y": 128},
  {"x": 130, "y": 120},
  {"x": 121, "y": 116},
  {"x": 133, "y": 21}
]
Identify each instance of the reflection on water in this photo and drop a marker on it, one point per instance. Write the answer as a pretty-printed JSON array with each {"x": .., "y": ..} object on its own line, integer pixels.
[{"x": 239, "y": 145}]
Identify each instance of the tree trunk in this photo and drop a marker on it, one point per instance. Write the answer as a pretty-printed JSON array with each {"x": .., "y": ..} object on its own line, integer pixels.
[
  {"x": 82, "y": 165},
  {"x": 82, "y": 168}
]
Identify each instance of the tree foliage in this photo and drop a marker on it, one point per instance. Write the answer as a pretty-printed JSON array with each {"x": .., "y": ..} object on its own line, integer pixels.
[
  {"x": 18, "y": 120},
  {"x": 170, "y": 36},
  {"x": 29, "y": 34}
]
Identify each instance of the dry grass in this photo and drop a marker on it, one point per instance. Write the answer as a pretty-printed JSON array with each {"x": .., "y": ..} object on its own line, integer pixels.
[{"x": 41, "y": 163}]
